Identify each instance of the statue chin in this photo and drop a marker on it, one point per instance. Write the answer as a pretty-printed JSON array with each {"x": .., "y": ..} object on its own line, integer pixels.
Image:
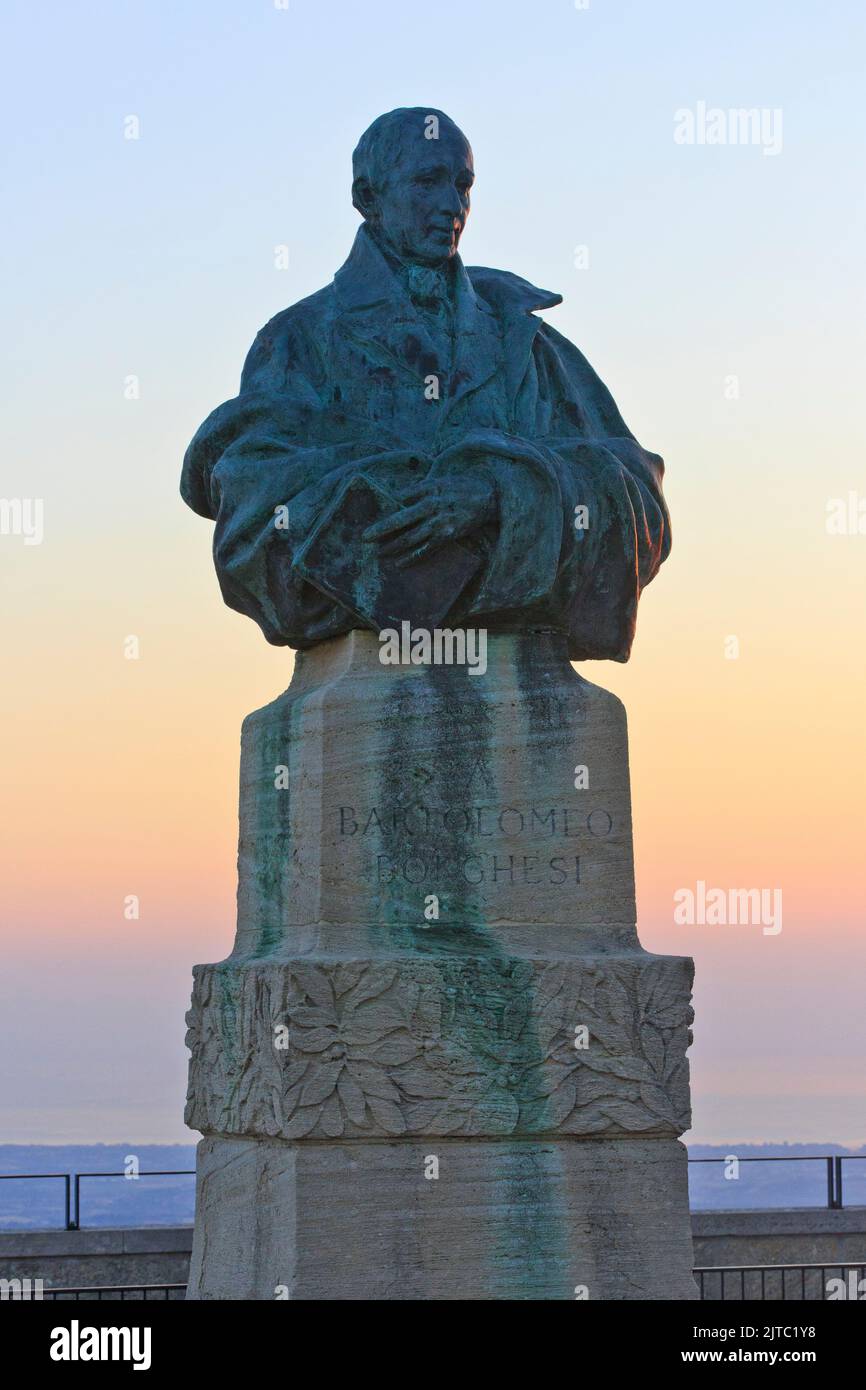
[{"x": 426, "y": 251}]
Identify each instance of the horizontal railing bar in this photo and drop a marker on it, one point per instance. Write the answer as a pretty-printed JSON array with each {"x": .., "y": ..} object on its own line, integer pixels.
[
  {"x": 116, "y": 1288},
  {"x": 151, "y": 1173},
  {"x": 775, "y": 1158},
  {"x": 756, "y": 1269},
  {"x": 42, "y": 1175}
]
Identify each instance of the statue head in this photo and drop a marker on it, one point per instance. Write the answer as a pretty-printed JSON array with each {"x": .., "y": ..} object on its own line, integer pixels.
[{"x": 412, "y": 175}]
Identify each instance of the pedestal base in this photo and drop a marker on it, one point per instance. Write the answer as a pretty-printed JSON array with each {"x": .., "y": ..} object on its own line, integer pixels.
[
  {"x": 437, "y": 971},
  {"x": 442, "y": 1219}
]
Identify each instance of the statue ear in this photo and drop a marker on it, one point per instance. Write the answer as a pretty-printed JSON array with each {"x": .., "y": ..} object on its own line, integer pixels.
[{"x": 363, "y": 198}]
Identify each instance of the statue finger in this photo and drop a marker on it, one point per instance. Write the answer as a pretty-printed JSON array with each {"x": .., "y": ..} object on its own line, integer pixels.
[
  {"x": 419, "y": 492},
  {"x": 413, "y": 535},
  {"x": 397, "y": 521}
]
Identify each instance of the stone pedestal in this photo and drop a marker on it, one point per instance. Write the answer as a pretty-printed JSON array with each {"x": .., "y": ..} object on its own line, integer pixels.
[{"x": 438, "y": 1063}]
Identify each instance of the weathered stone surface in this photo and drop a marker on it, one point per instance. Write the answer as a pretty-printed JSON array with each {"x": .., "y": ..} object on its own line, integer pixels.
[
  {"x": 778, "y": 1236},
  {"x": 366, "y": 787},
  {"x": 91, "y": 1257},
  {"x": 344, "y": 1011},
  {"x": 346, "y": 1024},
  {"x": 449, "y": 1046},
  {"x": 504, "y": 1219}
]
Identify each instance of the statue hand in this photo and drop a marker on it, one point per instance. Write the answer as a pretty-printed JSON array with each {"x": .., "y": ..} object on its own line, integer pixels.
[{"x": 435, "y": 511}]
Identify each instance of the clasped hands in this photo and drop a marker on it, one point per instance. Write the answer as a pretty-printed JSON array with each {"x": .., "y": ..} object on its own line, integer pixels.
[{"x": 433, "y": 509}]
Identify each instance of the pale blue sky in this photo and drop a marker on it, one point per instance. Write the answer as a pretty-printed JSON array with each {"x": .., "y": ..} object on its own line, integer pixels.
[{"x": 126, "y": 254}]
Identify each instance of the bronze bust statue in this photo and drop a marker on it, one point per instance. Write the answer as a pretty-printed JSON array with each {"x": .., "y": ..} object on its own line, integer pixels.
[{"x": 413, "y": 442}]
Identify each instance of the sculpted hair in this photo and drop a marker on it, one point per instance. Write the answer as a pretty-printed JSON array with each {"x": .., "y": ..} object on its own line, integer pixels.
[{"x": 382, "y": 142}]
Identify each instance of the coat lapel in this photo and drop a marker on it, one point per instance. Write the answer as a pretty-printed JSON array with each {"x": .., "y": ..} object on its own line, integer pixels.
[
  {"x": 374, "y": 310},
  {"x": 513, "y": 300},
  {"x": 494, "y": 323},
  {"x": 478, "y": 349}
]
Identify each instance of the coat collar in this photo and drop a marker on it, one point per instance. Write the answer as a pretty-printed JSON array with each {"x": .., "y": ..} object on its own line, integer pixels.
[{"x": 494, "y": 323}]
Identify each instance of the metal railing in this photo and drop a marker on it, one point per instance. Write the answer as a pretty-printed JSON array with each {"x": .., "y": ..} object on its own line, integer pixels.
[
  {"x": 72, "y": 1187},
  {"x": 808, "y": 1283},
  {"x": 153, "y": 1173},
  {"x": 833, "y": 1163},
  {"x": 782, "y": 1283},
  {"x": 67, "y": 1183},
  {"x": 72, "y": 1181},
  {"x": 122, "y": 1292}
]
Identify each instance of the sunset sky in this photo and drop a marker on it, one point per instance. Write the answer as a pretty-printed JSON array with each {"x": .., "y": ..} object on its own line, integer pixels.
[{"x": 722, "y": 303}]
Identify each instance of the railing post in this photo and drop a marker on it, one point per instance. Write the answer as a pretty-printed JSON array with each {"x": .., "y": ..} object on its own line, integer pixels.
[
  {"x": 68, "y": 1214},
  {"x": 834, "y": 1182},
  {"x": 830, "y": 1193},
  {"x": 76, "y": 1205}
]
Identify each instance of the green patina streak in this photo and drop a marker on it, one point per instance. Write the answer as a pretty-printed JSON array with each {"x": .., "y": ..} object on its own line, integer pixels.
[
  {"x": 486, "y": 992},
  {"x": 275, "y": 742}
]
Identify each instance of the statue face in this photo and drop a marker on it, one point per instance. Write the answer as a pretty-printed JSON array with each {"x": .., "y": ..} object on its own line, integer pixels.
[{"x": 422, "y": 209}]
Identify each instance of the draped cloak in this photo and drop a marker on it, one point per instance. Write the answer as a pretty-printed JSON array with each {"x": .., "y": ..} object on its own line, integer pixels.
[{"x": 344, "y": 375}]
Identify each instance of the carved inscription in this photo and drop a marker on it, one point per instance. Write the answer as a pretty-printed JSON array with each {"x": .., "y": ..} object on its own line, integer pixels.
[{"x": 478, "y": 843}]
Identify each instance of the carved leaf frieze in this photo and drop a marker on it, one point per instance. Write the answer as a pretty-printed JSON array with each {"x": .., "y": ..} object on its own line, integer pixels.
[{"x": 453, "y": 1047}]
